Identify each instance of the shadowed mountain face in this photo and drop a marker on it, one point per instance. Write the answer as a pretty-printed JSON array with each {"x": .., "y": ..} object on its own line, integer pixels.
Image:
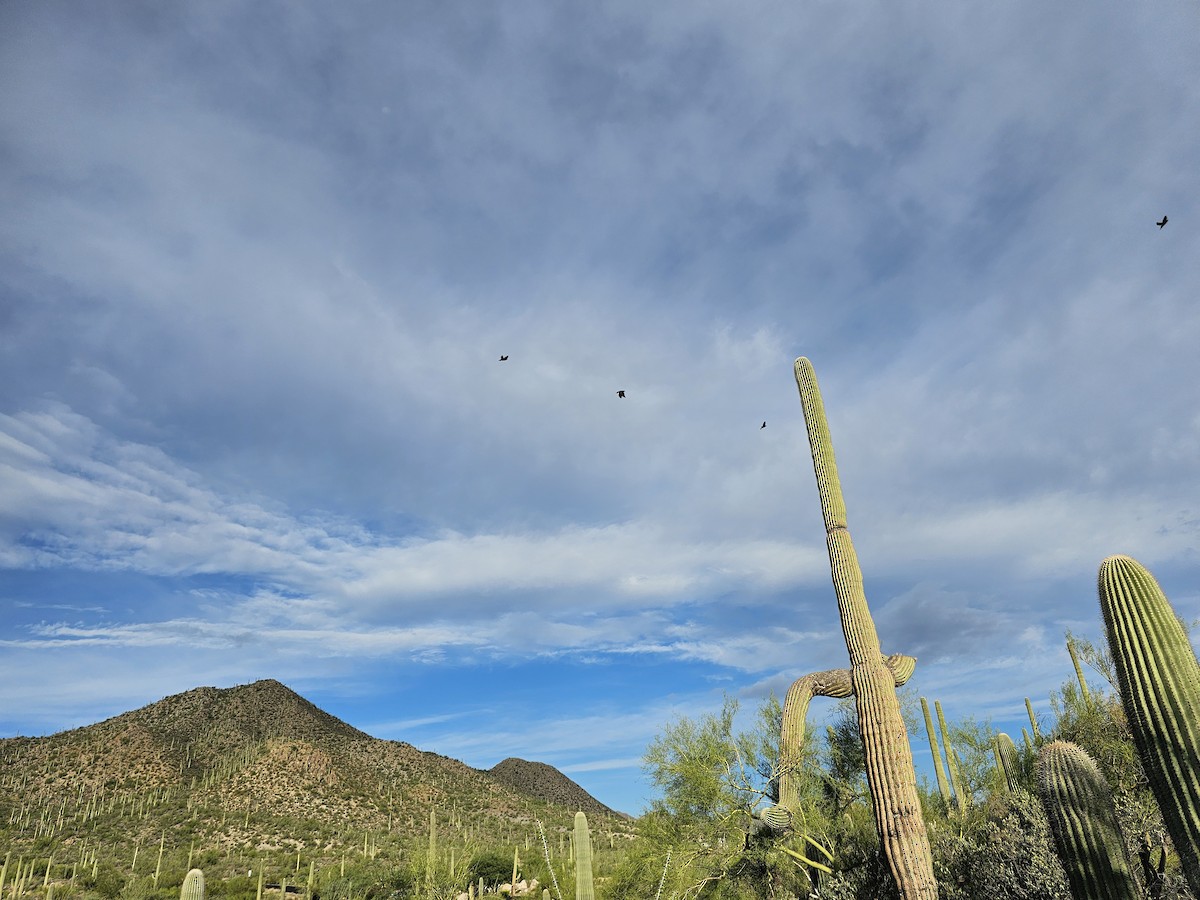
[{"x": 242, "y": 765}]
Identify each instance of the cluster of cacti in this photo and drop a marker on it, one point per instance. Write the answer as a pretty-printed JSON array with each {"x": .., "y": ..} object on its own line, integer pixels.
[
  {"x": 584, "y": 889},
  {"x": 1159, "y": 682},
  {"x": 890, "y": 776},
  {"x": 1079, "y": 805}
]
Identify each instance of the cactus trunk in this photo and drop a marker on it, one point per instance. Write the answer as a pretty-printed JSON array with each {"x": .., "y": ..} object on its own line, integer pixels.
[
  {"x": 890, "y": 775},
  {"x": 584, "y": 889},
  {"x": 1159, "y": 682}
]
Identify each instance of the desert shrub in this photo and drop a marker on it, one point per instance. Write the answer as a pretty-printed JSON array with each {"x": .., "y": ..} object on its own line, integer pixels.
[
  {"x": 1006, "y": 851},
  {"x": 493, "y": 866}
]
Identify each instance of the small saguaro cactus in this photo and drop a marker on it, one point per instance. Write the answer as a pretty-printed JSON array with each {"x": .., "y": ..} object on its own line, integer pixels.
[
  {"x": 1083, "y": 686},
  {"x": 1159, "y": 682},
  {"x": 1079, "y": 805},
  {"x": 1007, "y": 761},
  {"x": 890, "y": 775},
  {"x": 960, "y": 794},
  {"x": 584, "y": 889},
  {"x": 193, "y": 886},
  {"x": 940, "y": 770}
]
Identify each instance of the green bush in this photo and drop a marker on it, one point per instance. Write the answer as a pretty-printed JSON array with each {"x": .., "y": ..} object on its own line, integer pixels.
[{"x": 493, "y": 866}]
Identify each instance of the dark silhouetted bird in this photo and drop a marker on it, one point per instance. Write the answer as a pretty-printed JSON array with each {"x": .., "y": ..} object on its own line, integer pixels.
[
  {"x": 762, "y": 426},
  {"x": 503, "y": 358},
  {"x": 621, "y": 394},
  {"x": 1162, "y": 223}
]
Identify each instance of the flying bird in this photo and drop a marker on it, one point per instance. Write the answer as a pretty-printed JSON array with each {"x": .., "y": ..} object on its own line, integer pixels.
[
  {"x": 621, "y": 394},
  {"x": 503, "y": 358},
  {"x": 1162, "y": 223},
  {"x": 762, "y": 426}
]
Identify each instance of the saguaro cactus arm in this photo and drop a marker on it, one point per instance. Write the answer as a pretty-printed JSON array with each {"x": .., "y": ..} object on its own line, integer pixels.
[
  {"x": 890, "y": 776},
  {"x": 830, "y": 683}
]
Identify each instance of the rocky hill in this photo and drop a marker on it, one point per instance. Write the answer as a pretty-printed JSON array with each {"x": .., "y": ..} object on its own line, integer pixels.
[
  {"x": 257, "y": 770},
  {"x": 535, "y": 779}
]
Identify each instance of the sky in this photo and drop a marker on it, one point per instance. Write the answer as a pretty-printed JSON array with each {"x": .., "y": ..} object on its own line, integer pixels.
[{"x": 259, "y": 262}]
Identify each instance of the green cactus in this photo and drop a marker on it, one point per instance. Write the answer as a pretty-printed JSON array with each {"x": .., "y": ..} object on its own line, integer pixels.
[
  {"x": 1087, "y": 694},
  {"x": 1159, "y": 682},
  {"x": 1007, "y": 761},
  {"x": 193, "y": 886},
  {"x": 1079, "y": 805},
  {"x": 831, "y": 683},
  {"x": 583, "y": 859},
  {"x": 890, "y": 776},
  {"x": 943, "y": 785},
  {"x": 960, "y": 794},
  {"x": 1033, "y": 722}
]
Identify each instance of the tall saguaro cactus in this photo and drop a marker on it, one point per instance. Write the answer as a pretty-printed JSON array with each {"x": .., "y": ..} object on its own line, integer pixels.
[
  {"x": 890, "y": 776},
  {"x": 1159, "y": 682}
]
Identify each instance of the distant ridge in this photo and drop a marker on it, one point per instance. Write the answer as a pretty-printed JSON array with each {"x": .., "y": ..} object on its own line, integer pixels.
[
  {"x": 535, "y": 779},
  {"x": 262, "y": 755}
]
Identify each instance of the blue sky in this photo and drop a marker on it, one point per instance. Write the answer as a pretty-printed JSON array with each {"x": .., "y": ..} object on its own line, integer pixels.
[{"x": 259, "y": 261}]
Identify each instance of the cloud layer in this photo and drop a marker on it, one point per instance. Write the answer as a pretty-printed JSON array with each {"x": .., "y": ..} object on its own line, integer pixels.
[{"x": 260, "y": 263}]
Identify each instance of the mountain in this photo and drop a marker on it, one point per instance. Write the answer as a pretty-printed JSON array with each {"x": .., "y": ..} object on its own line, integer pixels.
[
  {"x": 535, "y": 779},
  {"x": 257, "y": 770}
]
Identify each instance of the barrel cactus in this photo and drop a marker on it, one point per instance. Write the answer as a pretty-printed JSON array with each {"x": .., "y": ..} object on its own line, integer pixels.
[
  {"x": 890, "y": 776},
  {"x": 1079, "y": 805},
  {"x": 1159, "y": 682}
]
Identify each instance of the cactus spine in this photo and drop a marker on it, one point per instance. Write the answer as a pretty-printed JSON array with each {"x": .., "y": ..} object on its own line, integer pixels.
[
  {"x": 943, "y": 784},
  {"x": 583, "y": 859},
  {"x": 1159, "y": 683},
  {"x": 193, "y": 886},
  {"x": 890, "y": 775},
  {"x": 1079, "y": 805}
]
